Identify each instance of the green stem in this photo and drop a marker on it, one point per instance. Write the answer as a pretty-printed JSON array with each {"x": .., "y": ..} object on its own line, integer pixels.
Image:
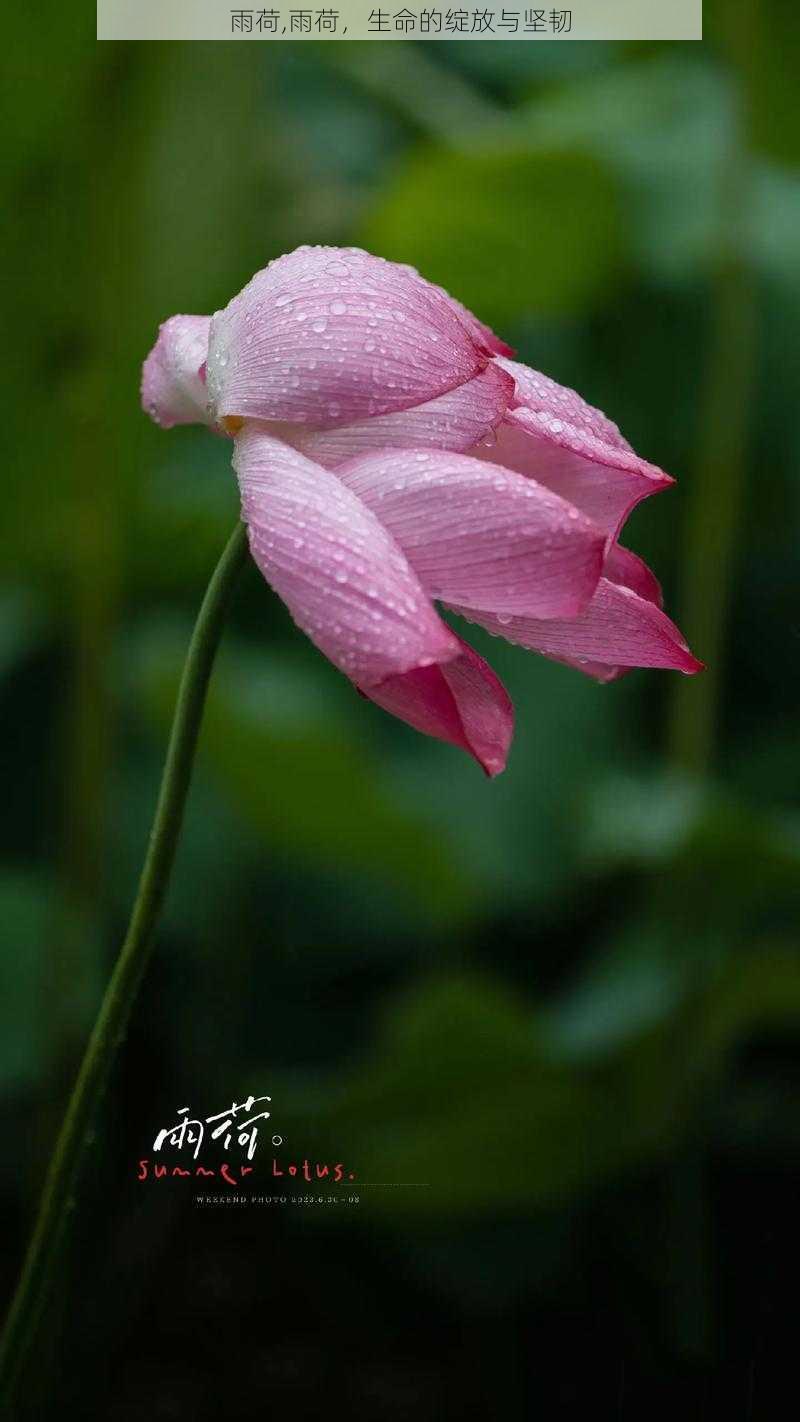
[
  {"x": 716, "y": 495},
  {"x": 109, "y": 1029}
]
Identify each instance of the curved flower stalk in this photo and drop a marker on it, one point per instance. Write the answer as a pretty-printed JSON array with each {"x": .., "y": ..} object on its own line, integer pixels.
[
  {"x": 71, "y": 1148},
  {"x": 390, "y": 454}
]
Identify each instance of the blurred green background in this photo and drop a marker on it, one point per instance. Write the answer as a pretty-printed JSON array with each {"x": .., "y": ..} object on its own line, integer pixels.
[{"x": 567, "y": 1000}]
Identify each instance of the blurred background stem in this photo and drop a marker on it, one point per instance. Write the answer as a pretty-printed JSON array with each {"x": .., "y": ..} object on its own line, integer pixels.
[
  {"x": 716, "y": 494},
  {"x": 713, "y": 510},
  {"x": 115, "y": 1011},
  {"x": 104, "y": 234},
  {"x": 438, "y": 102},
  {"x": 712, "y": 520}
]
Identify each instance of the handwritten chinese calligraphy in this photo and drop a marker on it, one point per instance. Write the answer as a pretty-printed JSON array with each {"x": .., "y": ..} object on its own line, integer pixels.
[{"x": 191, "y": 1132}]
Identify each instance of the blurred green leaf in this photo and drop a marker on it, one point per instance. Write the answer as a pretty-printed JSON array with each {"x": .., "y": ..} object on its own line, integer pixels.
[
  {"x": 516, "y": 65},
  {"x": 733, "y": 861},
  {"x": 775, "y": 227},
  {"x": 458, "y": 1096},
  {"x": 662, "y": 126},
  {"x": 631, "y": 985},
  {"x": 463, "y": 1098},
  {"x": 756, "y": 990},
  {"x": 506, "y": 231},
  {"x": 515, "y": 836},
  {"x": 636, "y": 820}
]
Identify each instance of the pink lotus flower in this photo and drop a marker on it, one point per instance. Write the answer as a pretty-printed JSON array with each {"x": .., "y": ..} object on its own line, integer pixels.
[{"x": 389, "y": 453}]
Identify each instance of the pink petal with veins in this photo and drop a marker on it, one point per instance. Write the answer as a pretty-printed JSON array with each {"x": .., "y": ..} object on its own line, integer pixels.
[
  {"x": 328, "y": 335},
  {"x": 545, "y": 396},
  {"x": 461, "y": 701},
  {"x": 173, "y": 384},
  {"x": 483, "y": 332},
  {"x": 617, "y": 629},
  {"x": 628, "y": 570},
  {"x": 340, "y": 573},
  {"x": 480, "y": 535},
  {"x": 456, "y": 421},
  {"x": 553, "y": 436}
]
